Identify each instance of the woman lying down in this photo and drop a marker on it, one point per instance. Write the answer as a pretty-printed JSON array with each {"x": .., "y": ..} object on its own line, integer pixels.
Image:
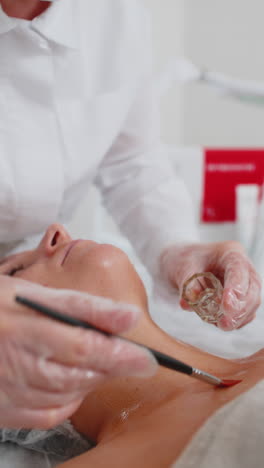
[{"x": 156, "y": 422}]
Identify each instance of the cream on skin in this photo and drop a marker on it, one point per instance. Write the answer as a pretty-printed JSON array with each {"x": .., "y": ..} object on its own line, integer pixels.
[
  {"x": 24, "y": 9},
  {"x": 136, "y": 422}
]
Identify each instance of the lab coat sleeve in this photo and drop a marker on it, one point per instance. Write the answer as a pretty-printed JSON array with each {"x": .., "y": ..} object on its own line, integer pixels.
[{"x": 138, "y": 184}]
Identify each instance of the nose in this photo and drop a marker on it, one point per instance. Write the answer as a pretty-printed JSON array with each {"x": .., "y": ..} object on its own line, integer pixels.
[{"x": 55, "y": 236}]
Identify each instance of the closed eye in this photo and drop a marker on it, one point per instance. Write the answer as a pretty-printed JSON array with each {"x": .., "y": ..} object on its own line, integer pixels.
[{"x": 13, "y": 271}]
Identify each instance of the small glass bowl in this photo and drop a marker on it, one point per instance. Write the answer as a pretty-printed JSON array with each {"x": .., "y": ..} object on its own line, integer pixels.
[{"x": 203, "y": 292}]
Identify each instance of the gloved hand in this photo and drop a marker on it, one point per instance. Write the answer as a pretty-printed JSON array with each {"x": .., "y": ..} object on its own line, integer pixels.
[
  {"x": 46, "y": 367},
  {"x": 229, "y": 263}
]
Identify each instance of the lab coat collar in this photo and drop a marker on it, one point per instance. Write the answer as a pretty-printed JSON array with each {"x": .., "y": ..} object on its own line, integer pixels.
[
  {"x": 58, "y": 23},
  {"x": 6, "y": 23}
]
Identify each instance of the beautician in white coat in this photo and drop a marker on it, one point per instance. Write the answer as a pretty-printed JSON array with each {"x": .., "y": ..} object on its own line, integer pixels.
[{"x": 76, "y": 107}]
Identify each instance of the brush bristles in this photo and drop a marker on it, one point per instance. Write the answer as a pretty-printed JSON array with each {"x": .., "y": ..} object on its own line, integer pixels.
[{"x": 228, "y": 383}]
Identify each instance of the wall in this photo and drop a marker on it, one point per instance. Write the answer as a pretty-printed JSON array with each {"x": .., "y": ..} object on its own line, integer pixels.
[
  {"x": 168, "y": 36},
  {"x": 226, "y": 36}
]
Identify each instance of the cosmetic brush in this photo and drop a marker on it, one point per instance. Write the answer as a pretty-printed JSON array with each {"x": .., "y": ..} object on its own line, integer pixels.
[{"x": 163, "y": 359}]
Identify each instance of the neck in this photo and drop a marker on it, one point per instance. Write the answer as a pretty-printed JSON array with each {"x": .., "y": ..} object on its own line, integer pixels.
[
  {"x": 129, "y": 397},
  {"x": 24, "y": 9}
]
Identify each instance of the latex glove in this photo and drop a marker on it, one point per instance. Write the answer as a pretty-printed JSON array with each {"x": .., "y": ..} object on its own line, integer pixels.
[
  {"x": 229, "y": 263},
  {"x": 47, "y": 368}
]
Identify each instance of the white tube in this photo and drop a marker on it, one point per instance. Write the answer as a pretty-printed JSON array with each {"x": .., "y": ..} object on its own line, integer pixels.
[
  {"x": 243, "y": 90},
  {"x": 246, "y": 213},
  {"x": 182, "y": 70}
]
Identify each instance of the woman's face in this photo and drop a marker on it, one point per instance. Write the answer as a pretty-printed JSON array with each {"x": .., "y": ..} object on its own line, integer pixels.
[{"x": 83, "y": 265}]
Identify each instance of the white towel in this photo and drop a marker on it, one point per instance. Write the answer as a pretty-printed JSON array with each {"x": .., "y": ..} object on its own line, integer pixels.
[{"x": 232, "y": 438}]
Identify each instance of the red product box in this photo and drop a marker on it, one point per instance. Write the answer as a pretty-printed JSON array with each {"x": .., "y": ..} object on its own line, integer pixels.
[{"x": 224, "y": 169}]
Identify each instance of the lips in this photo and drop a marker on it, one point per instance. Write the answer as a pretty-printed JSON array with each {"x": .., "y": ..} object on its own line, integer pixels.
[{"x": 68, "y": 249}]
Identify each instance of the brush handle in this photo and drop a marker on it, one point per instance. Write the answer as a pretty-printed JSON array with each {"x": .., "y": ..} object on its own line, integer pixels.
[
  {"x": 57, "y": 315},
  {"x": 167, "y": 361},
  {"x": 163, "y": 359}
]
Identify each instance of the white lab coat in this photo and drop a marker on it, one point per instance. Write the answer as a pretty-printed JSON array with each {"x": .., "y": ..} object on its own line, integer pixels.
[{"x": 76, "y": 107}]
